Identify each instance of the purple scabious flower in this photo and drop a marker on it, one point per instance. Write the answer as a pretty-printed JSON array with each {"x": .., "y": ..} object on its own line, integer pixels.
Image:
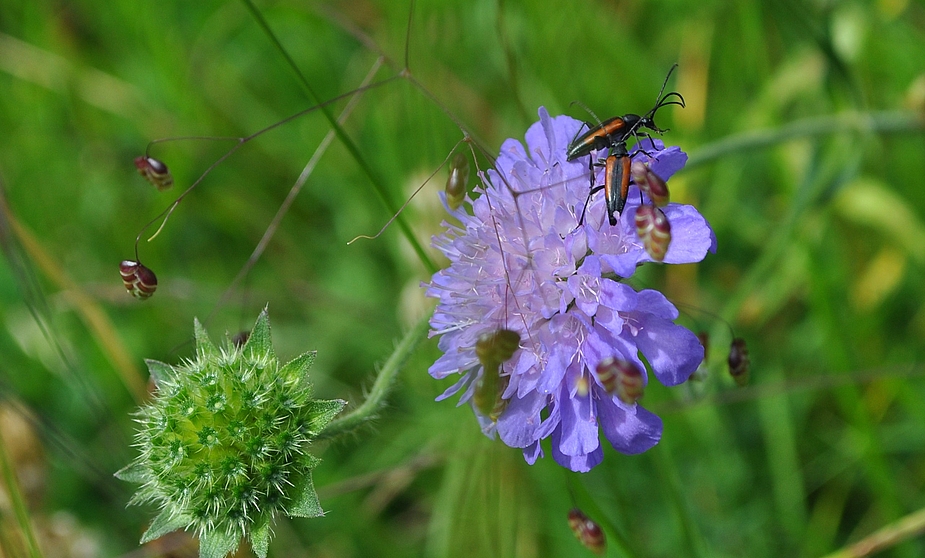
[{"x": 519, "y": 261}]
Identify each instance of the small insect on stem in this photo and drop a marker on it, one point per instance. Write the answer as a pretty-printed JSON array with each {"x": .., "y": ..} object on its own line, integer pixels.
[
  {"x": 155, "y": 172},
  {"x": 139, "y": 281}
]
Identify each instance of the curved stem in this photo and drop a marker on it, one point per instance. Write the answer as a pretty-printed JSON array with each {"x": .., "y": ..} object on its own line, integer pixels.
[
  {"x": 17, "y": 502},
  {"x": 376, "y": 399},
  {"x": 901, "y": 530},
  {"x": 864, "y": 122},
  {"x": 378, "y": 186}
]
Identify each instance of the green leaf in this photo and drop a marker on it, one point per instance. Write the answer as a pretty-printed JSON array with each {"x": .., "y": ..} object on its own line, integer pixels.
[
  {"x": 160, "y": 371},
  {"x": 305, "y": 500},
  {"x": 299, "y": 366},
  {"x": 308, "y": 462},
  {"x": 321, "y": 412},
  {"x": 872, "y": 203},
  {"x": 259, "y": 343},
  {"x": 217, "y": 544},
  {"x": 133, "y": 472},
  {"x": 164, "y": 523},
  {"x": 260, "y": 536},
  {"x": 204, "y": 346}
]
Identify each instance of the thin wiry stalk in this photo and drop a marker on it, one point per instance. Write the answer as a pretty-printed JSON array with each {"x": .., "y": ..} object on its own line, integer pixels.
[
  {"x": 883, "y": 122},
  {"x": 17, "y": 501},
  {"x": 903, "y": 529},
  {"x": 377, "y": 184}
]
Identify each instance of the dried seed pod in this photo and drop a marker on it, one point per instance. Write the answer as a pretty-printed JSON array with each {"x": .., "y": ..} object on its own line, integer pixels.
[
  {"x": 650, "y": 183},
  {"x": 621, "y": 378},
  {"x": 704, "y": 339},
  {"x": 240, "y": 338},
  {"x": 493, "y": 349},
  {"x": 739, "y": 363},
  {"x": 587, "y": 531},
  {"x": 654, "y": 231},
  {"x": 155, "y": 172},
  {"x": 702, "y": 369},
  {"x": 456, "y": 183},
  {"x": 139, "y": 281}
]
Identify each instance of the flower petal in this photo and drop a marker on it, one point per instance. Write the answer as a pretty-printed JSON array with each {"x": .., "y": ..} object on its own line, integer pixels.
[
  {"x": 518, "y": 423},
  {"x": 673, "y": 351},
  {"x": 629, "y": 431},
  {"x": 578, "y": 463},
  {"x": 578, "y": 430}
]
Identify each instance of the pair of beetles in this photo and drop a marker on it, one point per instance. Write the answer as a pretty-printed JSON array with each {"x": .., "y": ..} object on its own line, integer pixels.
[{"x": 612, "y": 134}]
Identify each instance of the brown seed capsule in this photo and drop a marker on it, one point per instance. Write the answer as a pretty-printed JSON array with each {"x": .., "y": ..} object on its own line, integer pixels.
[
  {"x": 704, "y": 339},
  {"x": 155, "y": 172},
  {"x": 587, "y": 531},
  {"x": 456, "y": 183},
  {"x": 654, "y": 231},
  {"x": 702, "y": 369},
  {"x": 493, "y": 349},
  {"x": 139, "y": 281},
  {"x": 621, "y": 378},
  {"x": 650, "y": 183},
  {"x": 739, "y": 363},
  {"x": 240, "y": 338}
]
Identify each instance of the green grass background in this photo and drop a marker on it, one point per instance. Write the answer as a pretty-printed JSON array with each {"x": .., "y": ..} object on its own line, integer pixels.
[{"x": 804, "y": 124}]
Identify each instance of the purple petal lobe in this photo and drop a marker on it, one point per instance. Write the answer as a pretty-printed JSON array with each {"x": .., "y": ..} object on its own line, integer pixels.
[
  {"x": 673, "y": 351},
  {"x": 518, "y": 423},
  {"x": 629, "y": 430}
]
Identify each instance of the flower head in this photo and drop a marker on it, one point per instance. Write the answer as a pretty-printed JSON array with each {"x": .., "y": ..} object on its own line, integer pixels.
[
  {"x": 224, "y": 443},
  {"x": 520, "y": 262}
]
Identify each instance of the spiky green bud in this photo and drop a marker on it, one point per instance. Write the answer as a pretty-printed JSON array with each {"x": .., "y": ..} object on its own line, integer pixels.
[{"x": 224, "y": 443}]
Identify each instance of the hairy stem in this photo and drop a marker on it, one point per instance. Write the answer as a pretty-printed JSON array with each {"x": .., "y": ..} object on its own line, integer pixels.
[{"x": 376, "y": 398}]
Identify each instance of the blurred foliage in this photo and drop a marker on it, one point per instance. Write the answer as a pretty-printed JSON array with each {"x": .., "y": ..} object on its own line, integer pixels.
[{"x": 820, "y": 259}]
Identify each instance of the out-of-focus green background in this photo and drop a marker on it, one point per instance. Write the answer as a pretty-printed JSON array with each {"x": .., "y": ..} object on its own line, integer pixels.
[{"x": 803, "y": 124}]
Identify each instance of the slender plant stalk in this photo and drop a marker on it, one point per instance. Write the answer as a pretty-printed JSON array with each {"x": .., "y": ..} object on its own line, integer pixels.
[
  {"x": 588, "y": 504},
  {"x": 889, "y": 536},
  {"x": 863, "y": 122},
  {"x": 294, "y": 191},
  {"x": 386, "y": 377},
  {"x": 89, "y": 311},
  {"x": 17, "y": 501},
  {"x": 378, "y": 186},
  {"x": 668, "y": 472}
]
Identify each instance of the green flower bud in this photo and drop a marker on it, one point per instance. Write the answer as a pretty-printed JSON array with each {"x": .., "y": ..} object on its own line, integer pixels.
[{"x": 223, "y": 445}]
